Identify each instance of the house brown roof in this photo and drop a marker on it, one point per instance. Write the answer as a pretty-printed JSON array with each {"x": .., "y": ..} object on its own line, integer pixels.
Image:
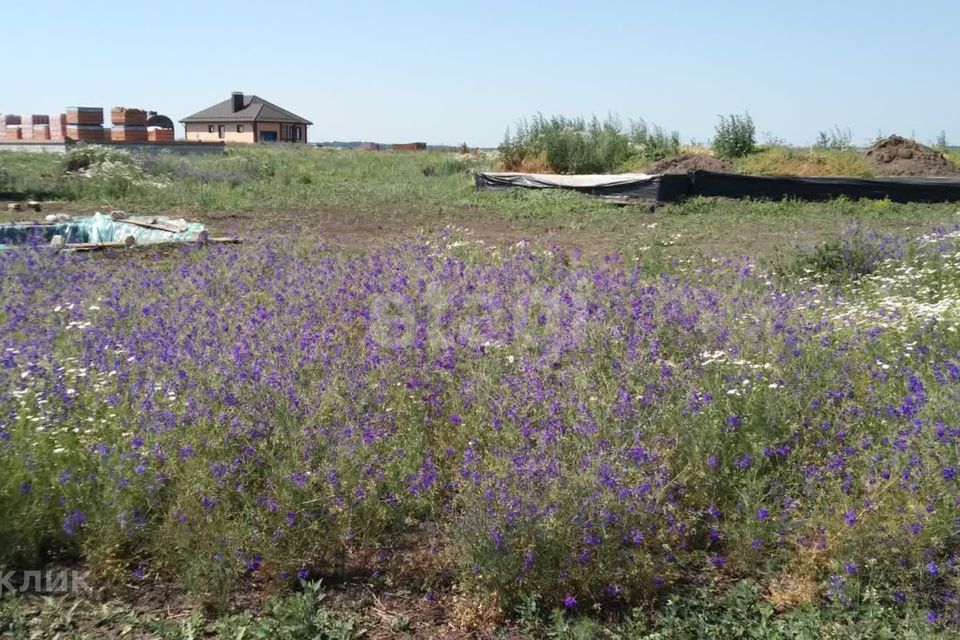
[{"x": 255, "y": 109}]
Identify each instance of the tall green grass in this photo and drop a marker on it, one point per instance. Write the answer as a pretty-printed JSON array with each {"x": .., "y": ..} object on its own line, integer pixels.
[
  {"x": 736, "y": 136},
  {"x": 576, "y": 145},
  {"x": 816, "y": 161}
]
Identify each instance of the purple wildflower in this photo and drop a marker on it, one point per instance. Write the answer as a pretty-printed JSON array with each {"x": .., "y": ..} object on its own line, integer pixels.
[
  {"x": 743, "y": 462},
  {"x": 73, "y": 521}
]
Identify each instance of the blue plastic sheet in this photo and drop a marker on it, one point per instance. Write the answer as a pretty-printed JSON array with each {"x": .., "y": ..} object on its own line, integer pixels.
[{"x": 100, "y": 228}]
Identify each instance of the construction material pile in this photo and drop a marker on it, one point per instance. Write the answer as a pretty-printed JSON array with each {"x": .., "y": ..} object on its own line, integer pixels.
[
  {"x": 159, "y": 134},
  {"x": 129, "y": 125},
  {"x": 897, "y": 156},
  {"x": 85, "y": 124},
  {"x": 30, "y": 124},
  {"x": 688, "y": 162},
  {"x": 32, "y": 127},
  {"x": 11, "y": 127},
  {"x": 101, "y": 231}
]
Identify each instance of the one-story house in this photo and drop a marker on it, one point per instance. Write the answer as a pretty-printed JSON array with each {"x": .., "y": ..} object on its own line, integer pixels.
[{"x": 246, "y": 119}]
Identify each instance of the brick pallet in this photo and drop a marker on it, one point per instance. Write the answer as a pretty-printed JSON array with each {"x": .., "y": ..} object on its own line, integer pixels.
[
  {"x": 85, "y": 132},
  {"x": 89, "y": 116},
  {"x": 129, "y": 134},
  {"x": 41, "y": 132},
  {"x": 58, "y": 127},
  {"x": 156, "y": 134},
  {"x": 124, "y": 117}
]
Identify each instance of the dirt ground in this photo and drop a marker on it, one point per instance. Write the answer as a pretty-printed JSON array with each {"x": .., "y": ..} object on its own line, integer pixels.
[
  {"x": 383, "y": 613},
  {"x": 897, "y": 156},
  {"x": 721, "y": 228},
  {"x": 418, "y": 603},
  {"x": 690, "y": 162}
]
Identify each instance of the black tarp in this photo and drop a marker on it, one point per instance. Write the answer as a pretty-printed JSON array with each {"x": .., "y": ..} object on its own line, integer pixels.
[
  {"x": 672, "y": 187},
  {"x": 732, "y": 185}
]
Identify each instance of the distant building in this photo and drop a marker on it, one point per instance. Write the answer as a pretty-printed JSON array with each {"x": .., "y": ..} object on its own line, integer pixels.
[{"x": 246, "y": 119}]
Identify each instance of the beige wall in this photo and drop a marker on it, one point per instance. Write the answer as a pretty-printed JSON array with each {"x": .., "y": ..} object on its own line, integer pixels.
[{"x": 201, "y": 131}]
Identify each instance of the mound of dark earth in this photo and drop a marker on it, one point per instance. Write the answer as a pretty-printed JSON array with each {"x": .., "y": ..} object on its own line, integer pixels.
[
  {"x": 896, "y": 156},
  {"x": 687, "y": 162}
]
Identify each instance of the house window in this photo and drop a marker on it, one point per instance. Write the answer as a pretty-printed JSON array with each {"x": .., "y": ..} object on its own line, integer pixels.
[
  {"x": 210, "y": 129},
  {"x": 239, "y": 128}
]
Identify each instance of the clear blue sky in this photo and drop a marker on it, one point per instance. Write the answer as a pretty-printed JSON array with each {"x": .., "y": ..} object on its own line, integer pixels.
[{"x": 445, "y": 71}]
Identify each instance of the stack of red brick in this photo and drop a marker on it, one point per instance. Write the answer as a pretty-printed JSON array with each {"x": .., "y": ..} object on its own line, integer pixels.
[
  {"x": 129, "y": 125},
  {"x": 58, "y": 127},
  {"x": 38, "y": 128},
  {"x": 158, "y": 134},
  {"x": 35, "y": 127},
  {"x": 85, "y": 123},
  {"x": 410, "y": 146},
  {"x": 10, "y": 127}
]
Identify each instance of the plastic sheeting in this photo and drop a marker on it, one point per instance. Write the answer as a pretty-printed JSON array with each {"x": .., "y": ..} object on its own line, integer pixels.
[
  {"x": 101, "y": 228},
  {"x": 619, "y": 187},
  {"x": 731, "y": 185},
  {"x": 672, "y": 187}
]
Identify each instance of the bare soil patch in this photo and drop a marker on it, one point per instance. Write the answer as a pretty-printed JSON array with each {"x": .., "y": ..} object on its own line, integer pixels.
[{"x": 688, "y": 162}]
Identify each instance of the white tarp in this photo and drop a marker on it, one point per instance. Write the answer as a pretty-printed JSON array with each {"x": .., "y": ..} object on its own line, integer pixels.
[{"x": 585, "y": 181}]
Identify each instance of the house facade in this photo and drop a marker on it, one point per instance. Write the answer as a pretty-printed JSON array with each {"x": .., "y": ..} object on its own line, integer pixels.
[{"x": 248, "y": 119}]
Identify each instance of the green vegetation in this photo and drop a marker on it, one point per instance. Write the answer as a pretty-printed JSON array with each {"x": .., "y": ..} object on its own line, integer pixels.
[
  {"x": 575, "y": 145},
  {"x": 837, "y": 139},
  {"x": 362, "y": 197},
  {"x": 735, "y": 136},
  {"x": 740, "y": 612},
  {"x": 652, "y": 142},
  {"x": 816, "y": 161},
  {"x": 582, "y": 446},
  {"x": 941, "y": 142}
]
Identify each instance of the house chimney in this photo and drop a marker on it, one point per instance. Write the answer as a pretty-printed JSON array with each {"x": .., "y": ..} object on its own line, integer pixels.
[{"x": 237, "y": 101}]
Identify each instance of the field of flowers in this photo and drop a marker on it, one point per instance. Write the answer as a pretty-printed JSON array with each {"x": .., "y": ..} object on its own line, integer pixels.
[{"x": 522, "y": 422}]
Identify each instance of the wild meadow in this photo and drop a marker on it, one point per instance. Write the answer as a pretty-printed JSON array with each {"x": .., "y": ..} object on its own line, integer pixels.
[{"x": 765, "y": 446}]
